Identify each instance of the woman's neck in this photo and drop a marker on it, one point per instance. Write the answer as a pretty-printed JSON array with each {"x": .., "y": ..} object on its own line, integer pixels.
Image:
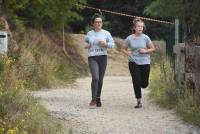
[
  {"x": 137, "y": 34},
  {"x": 97, "y": 30}
]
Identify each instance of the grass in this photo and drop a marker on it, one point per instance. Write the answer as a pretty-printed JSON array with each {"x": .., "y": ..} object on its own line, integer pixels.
[
  {"x": 164, "y": 92},
  {"x": 20, "y": 112},
  {"x": 189, "y": 108},
  {"x": 164, "y": 89},
  {"x": 42, "y": 62},
  {"x": 35, "y": 61}
]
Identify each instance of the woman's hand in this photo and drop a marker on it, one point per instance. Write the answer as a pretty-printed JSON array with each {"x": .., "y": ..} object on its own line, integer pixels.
[
  {"x": 143, "y": 50},
  {"x": 126, "y": 51},
  {"x": 87, "y": 46},
  {"x": 150, "y": 48},
  {"x": 103, "y": 44}
]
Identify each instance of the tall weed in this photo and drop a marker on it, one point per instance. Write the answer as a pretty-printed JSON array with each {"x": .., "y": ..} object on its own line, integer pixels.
[
  {"x": 19, "y": 112},
  {"x": 189, "y": 107},
  {"x": 43, "y": 64},
  {"x": 163, "y": 87},
  {"x": 164, "y": 91}
]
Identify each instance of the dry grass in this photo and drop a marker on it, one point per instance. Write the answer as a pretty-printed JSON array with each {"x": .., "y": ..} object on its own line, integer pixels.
[{"x": 117, "y": 62}]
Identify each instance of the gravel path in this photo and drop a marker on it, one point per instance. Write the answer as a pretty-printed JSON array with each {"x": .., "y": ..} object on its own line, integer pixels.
[{"x": 116, "y": 116}]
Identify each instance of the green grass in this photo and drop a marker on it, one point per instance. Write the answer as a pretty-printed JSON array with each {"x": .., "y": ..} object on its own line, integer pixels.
[
  {"x": 20, "y": 113},
  {"x": 163, "y": 88},
  {"x": 164, "y": 92},
  {"x": 189, "y": 107},
  {"x": 38, "y": 62}
]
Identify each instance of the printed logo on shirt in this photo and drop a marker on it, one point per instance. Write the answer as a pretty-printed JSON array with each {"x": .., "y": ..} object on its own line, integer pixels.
[{"x": 96, "y": 50}]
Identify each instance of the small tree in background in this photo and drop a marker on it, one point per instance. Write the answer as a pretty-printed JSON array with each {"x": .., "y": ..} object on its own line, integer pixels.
[
  {"x": 185, "y": 10},
  {"x": 42, "y": 13}
]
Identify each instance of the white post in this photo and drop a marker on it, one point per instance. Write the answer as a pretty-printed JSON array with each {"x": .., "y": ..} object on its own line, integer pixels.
[
  {"x": 3, "y": 42},
  {"x": 176, "y": 31}
]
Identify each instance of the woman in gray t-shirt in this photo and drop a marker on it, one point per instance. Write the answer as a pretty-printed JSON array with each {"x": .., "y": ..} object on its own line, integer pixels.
[
  {"x": 97, "y": 41},
  {"x": 138, "y": 47}
]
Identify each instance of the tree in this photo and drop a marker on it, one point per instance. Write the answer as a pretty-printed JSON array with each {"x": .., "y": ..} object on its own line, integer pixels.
[
  {"x": 185, "y": 10},
  {"x": 43, "y": 13},
  {"x": 117, "y": 25}
]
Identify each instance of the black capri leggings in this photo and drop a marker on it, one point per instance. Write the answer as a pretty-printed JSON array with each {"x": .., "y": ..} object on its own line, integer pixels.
[{"x": 140, "y": 77}]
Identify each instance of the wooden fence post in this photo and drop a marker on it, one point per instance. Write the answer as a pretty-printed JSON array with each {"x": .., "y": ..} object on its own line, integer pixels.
[{"x": 176, "y": 31}]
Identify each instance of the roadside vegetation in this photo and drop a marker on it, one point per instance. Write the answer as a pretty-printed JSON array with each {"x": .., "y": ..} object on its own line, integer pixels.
[
  {"x": 36, "y": 60},
  {"x": 164, "y": 90}
]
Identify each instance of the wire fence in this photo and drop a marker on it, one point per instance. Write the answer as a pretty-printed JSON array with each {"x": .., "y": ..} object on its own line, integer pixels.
[{"x": 127, "y": 15}]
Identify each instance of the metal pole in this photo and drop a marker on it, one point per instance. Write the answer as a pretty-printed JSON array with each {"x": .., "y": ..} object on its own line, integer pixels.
[{"x": 176, "y": 31}]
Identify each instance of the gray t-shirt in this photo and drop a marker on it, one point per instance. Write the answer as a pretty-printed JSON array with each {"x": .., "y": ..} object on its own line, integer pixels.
[
  {"x": 135, "y": 44},
  {"x": 93, "y": 39}
]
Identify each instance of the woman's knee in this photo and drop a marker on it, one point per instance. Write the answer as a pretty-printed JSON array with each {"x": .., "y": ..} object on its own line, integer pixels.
[
  {"x": 145, "y": 85},
  {"x": 95, "y": 78}
]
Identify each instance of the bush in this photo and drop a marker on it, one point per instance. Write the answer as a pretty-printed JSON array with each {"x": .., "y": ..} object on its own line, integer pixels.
[
  {"x": 19, "y": 112},
  {"x": 189, "y": 107},
  {"x": 163, "y": 87},
  {"x": 37, "y": 63}
]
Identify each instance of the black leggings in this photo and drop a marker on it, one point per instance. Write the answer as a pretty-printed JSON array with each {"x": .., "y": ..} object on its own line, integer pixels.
[
  {"x": 97, "y": 66},
  {"x": 140, "y": 77}
]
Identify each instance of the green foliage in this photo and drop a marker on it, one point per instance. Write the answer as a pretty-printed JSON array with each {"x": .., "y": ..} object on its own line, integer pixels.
[
  {"x": 7, "y": 74},
  {"x": 12, "y": 6},
  {"x": 5, "y": 63},
  {"x": 163, "y": 87},
  {"x": 70, "y": 131},
  {"x": 189, "y": 107},
  {"x": 43, "y": 13},
  {"x": 118, "y": 25},
  {"x": 19, "y": 112},
  {"x": 37, "y": 63},
  {"x": 164, "y": 91},
  {"x": 185, "y": 10}
]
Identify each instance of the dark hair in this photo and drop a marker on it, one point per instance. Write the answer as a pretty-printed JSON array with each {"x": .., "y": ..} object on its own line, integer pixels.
[
  {"x": 135, "y": 21},
  {"x": 96, "y": 15}
]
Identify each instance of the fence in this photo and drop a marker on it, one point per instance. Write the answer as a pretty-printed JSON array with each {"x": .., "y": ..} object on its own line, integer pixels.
[{"x": 187, "y": 66}]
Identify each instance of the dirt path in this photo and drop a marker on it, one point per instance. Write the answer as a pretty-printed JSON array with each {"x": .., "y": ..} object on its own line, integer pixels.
[{"x": 116, "y": 116}]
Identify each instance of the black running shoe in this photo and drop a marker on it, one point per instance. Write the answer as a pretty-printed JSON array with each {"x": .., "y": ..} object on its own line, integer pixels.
[
  {"x": 93, "y": 102},
  {"x": 139, "y": 105},
  {"x": 98, "y": 102}
]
